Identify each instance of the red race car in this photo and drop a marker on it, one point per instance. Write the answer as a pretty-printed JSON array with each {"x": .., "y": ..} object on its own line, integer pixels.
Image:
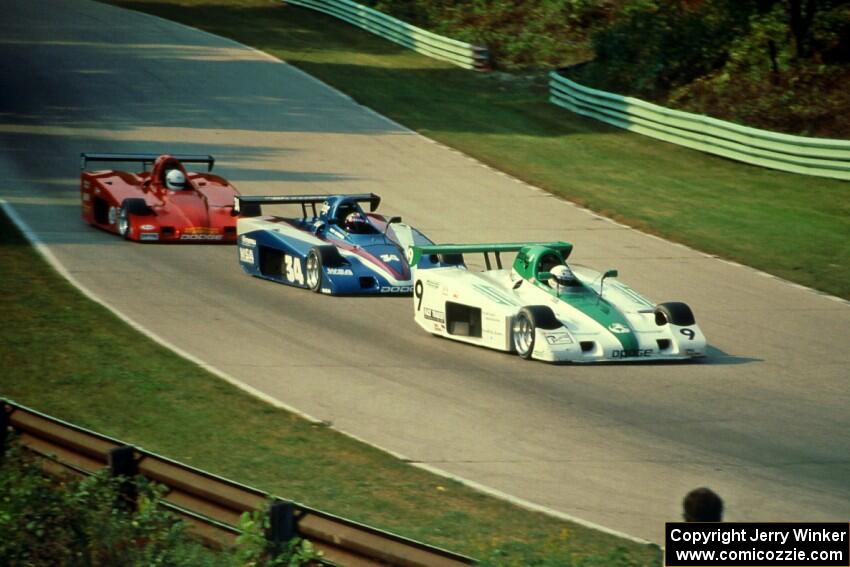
[{"x": 166, "y": 204}]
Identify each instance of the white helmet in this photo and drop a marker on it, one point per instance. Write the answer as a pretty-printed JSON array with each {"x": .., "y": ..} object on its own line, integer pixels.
[
  {"x": 175, "y": 179},
  {"x": 562, "y": 275}
]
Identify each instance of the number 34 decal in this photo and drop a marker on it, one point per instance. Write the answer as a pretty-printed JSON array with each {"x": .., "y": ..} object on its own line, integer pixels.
[{"x": 292, "y": 267}]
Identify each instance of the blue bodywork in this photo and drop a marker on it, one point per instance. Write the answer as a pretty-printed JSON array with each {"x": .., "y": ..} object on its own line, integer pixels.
[{"x": 371, "y": 262}]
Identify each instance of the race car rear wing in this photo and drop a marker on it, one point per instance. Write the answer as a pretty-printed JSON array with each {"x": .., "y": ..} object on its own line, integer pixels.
[
  {"x": 144, "y": 159},
  {"x": 250, "y": 206},
  {"x": 450, "y": 253}
]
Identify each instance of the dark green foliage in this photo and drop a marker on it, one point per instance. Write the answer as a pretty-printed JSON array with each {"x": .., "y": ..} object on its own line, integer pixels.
[
  {"x": 778, "y": 64},
  {"x": 70, "y": 522},
  {"x": 659, "y": 44},
  {"x": 547, "y": 33},
  {"x": 765, "y": 82}
]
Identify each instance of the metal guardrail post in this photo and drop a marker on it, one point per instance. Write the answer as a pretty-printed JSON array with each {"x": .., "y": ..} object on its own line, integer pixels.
[
  {"x": 282, "y": 525},
  {"x": 481, "y": 57},
  {"x": 123, "y": 463},
  {"x": 5, "y": 410},
  {"x": 212, "y": 505}
]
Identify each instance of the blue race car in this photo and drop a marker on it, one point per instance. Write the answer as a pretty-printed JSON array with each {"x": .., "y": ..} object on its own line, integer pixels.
[{"x": 338, "y": 249}]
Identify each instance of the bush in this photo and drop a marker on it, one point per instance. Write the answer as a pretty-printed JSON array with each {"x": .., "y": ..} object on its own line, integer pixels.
[
  {"x": 548, "y": 33},
  {"x": 655, "y": 45},
  {"x": 49, "y": 521}
]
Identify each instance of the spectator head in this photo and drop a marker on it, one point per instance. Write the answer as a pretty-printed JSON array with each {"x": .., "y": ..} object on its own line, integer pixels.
[{"x": 702, "y": 505}]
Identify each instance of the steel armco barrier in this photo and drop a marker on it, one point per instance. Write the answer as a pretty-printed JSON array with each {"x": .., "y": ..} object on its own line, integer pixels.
[
  {"x": 797, "y": 154},
  {"x": 427, "y": 43},
  {"x": 210, "y": 504}
]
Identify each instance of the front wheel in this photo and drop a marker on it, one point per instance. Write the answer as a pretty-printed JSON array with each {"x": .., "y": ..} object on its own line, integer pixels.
[
  {"x": 130, "y": 207},
  {"x": 523, "y": 335},
  {"x": 124, "y": 221},
  {"x": 524, "y": 328},
  {"x": 674, "y": 312},
  {"x": 314, "y": 271}
]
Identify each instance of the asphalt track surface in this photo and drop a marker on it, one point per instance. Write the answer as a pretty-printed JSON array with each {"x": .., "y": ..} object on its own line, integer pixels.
[{"x": 764, "y": 421}]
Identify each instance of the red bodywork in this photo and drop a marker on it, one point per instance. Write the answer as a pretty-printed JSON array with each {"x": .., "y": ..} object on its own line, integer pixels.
[{"x": 202, "y": 212}]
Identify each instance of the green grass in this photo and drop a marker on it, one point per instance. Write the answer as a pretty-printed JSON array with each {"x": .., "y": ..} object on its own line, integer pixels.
[
  {"x": 796, "y": 227},
  {"x": 67, "y": 356}
]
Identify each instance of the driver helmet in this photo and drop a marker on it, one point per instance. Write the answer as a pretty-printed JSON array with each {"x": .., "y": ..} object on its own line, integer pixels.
[
  {"x": 175, "y": 179},
  {"x": 562, "y": 275},
  {"x": 356, "y": 223}
]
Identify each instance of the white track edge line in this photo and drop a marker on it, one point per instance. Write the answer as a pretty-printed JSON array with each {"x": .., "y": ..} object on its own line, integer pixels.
[{"x": 44, "y": 251}]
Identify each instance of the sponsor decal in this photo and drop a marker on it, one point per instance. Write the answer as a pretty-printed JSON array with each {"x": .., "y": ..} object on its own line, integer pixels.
[
  {"x": 86, "y": 184},
  {"x": 113, "y": 215},
  {"x": 433, "y": 284},
  {"x": 631, "y": 353},
  {"x": 618, "y": 328},
  {"x": 148, "y": 236},
  {"x": 246, "y": 255},
  {"x": 245, "y": 241},
  {"x": 493, "y": 294},
  {"x": 147, "y": 227},
  {"x": 200, "y": 237},
  {"x": 390, "y": 258},
  {"x": 397, "y": 289},
  {"x": 434, "y": 315},
  {"x": 324, "y": 208},
  {"x": 340, "y": 272},
  {"x": 200, "y": 230},
  {"x": 86, "y": 197},
  {"x": 559, "y": 339},
  {"x": 326, "y": 290}
]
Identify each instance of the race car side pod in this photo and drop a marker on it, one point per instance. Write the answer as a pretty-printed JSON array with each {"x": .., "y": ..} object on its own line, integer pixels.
[
  {"x": 144, "y": 159},
  {"x": 250, "y": 205}
]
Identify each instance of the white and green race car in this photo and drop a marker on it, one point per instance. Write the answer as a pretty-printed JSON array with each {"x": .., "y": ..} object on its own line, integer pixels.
[{"x": 543, "y": 309}]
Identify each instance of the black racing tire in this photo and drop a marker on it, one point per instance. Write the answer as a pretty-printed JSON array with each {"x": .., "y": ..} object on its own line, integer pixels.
[
  {"x": 526, "y": 322},
  {"x": 675, "y": 313},
  {"x": 130, "y": 207},
  {"x": 313, "y": 268},
  {"x": 326, "y": 256}
]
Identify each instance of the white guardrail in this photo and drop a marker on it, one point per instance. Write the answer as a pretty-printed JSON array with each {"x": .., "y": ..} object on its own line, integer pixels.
[
  {"x": 810, "y": 156},
  {"x": 427, "y": 43}
]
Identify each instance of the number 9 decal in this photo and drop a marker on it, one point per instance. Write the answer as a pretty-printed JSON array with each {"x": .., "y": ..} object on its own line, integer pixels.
[
  {"x": 418, "y": 291},
  {"x": 688, "y": 333}
]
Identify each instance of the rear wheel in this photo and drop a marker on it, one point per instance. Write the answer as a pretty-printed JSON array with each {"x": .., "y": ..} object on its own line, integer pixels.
[{"x": 314, "y": 270}]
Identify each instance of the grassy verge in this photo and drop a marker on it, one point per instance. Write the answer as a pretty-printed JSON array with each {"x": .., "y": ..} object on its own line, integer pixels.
[
  {"x": 69, "y": 357},
  {"x": 794, "y": 226}
]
